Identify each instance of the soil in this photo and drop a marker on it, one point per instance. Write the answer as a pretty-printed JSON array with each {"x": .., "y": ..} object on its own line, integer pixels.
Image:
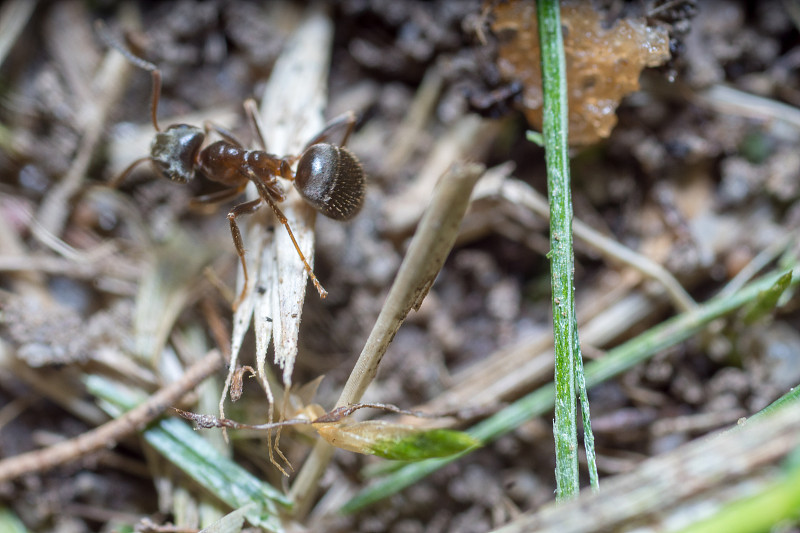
[{"x": 701, "y": 174}]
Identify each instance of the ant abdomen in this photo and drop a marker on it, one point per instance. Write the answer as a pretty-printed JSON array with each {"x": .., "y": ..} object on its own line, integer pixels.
[
  {"x": 331, "y": 179},
  {"x": 174, "y": 151}
]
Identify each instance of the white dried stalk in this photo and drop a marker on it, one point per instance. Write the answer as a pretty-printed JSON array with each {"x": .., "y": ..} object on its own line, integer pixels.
[
  {"x": 426, "y": 254},
  {"x": 291, "y": 113}
]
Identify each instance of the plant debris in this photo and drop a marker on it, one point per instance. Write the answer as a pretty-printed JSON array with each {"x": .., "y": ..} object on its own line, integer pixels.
[{"x": 694, "y": 176}]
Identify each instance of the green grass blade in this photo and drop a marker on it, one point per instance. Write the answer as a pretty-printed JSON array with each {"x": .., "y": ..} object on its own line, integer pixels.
[
  {"x": 767, "y": 300},
  {"x": 231, "y": 522},
  {"x": 10, "y": 523},
  {"x": 425, "y": 444},
  {"x": 588, "y": 435},
  {"x": 790, "y": 397},
  {"x": 562, "y": 257},
  {"x": 778, "y": 502}
]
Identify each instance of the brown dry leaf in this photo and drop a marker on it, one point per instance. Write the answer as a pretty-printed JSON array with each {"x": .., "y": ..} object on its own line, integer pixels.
[{"x": 603, "y": 65}]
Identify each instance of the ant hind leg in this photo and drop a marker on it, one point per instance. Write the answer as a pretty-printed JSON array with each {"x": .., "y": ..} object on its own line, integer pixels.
[
  {"x": 282, "y": 218},
  {"x": 251, "y": 108},
  {"x": 345, "y": 120}
]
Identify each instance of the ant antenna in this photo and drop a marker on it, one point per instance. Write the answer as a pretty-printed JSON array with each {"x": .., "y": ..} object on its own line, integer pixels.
[{"x": 111, "y": 41}]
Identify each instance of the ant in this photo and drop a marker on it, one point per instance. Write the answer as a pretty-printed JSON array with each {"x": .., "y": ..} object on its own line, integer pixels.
[{"x": 328, "y": 176}]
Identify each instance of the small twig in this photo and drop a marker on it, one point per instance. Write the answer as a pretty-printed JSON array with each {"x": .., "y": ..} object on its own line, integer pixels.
[
  {"x": 697, "y": 423},
  {"x": 111, "y": 432},
  {"x": 146, "y": 525},
  {"x": 337, "y": 414},
  {"x": 210, "y": 421},
  {"x": 13, "y": 409},
  {"x": 666, "y": 6}
]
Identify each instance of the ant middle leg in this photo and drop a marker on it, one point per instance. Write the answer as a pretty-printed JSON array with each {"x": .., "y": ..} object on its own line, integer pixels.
[
  {"x": 117, "y": 180},
  {"x": 242, "y": 209},
  {"x": 226, "y": 134}
]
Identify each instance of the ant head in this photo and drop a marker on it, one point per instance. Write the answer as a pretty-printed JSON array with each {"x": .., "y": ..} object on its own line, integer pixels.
[
  {"x": 332, "y": 180},
  {"x": 174, "y": 151}
]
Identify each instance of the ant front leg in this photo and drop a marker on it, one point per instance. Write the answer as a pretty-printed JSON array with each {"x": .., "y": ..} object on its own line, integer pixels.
[
  {"x": 226, "y": 134},
  {"x": 111, "y": 41},
  {"x": 241, "y": 209}
]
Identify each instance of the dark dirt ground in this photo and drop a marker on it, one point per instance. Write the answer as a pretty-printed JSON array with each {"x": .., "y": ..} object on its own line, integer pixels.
[{"x": 687, "y": 178}]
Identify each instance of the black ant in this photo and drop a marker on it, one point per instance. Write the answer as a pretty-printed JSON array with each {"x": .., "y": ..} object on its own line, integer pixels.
[{"x": 328, "y": 176}]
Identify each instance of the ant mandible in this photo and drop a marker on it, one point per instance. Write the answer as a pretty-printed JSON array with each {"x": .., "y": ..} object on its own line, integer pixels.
[{"x": 328, "y": 176}]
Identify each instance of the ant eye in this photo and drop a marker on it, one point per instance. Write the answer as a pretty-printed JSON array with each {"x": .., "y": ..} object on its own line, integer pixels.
[{"x": 332, "y": 180}]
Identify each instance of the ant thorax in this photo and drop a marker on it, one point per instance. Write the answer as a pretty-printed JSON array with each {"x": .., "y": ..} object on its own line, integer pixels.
[
  {"x": 268, "y": 167},
  {"x": 174, "y": 151}
]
